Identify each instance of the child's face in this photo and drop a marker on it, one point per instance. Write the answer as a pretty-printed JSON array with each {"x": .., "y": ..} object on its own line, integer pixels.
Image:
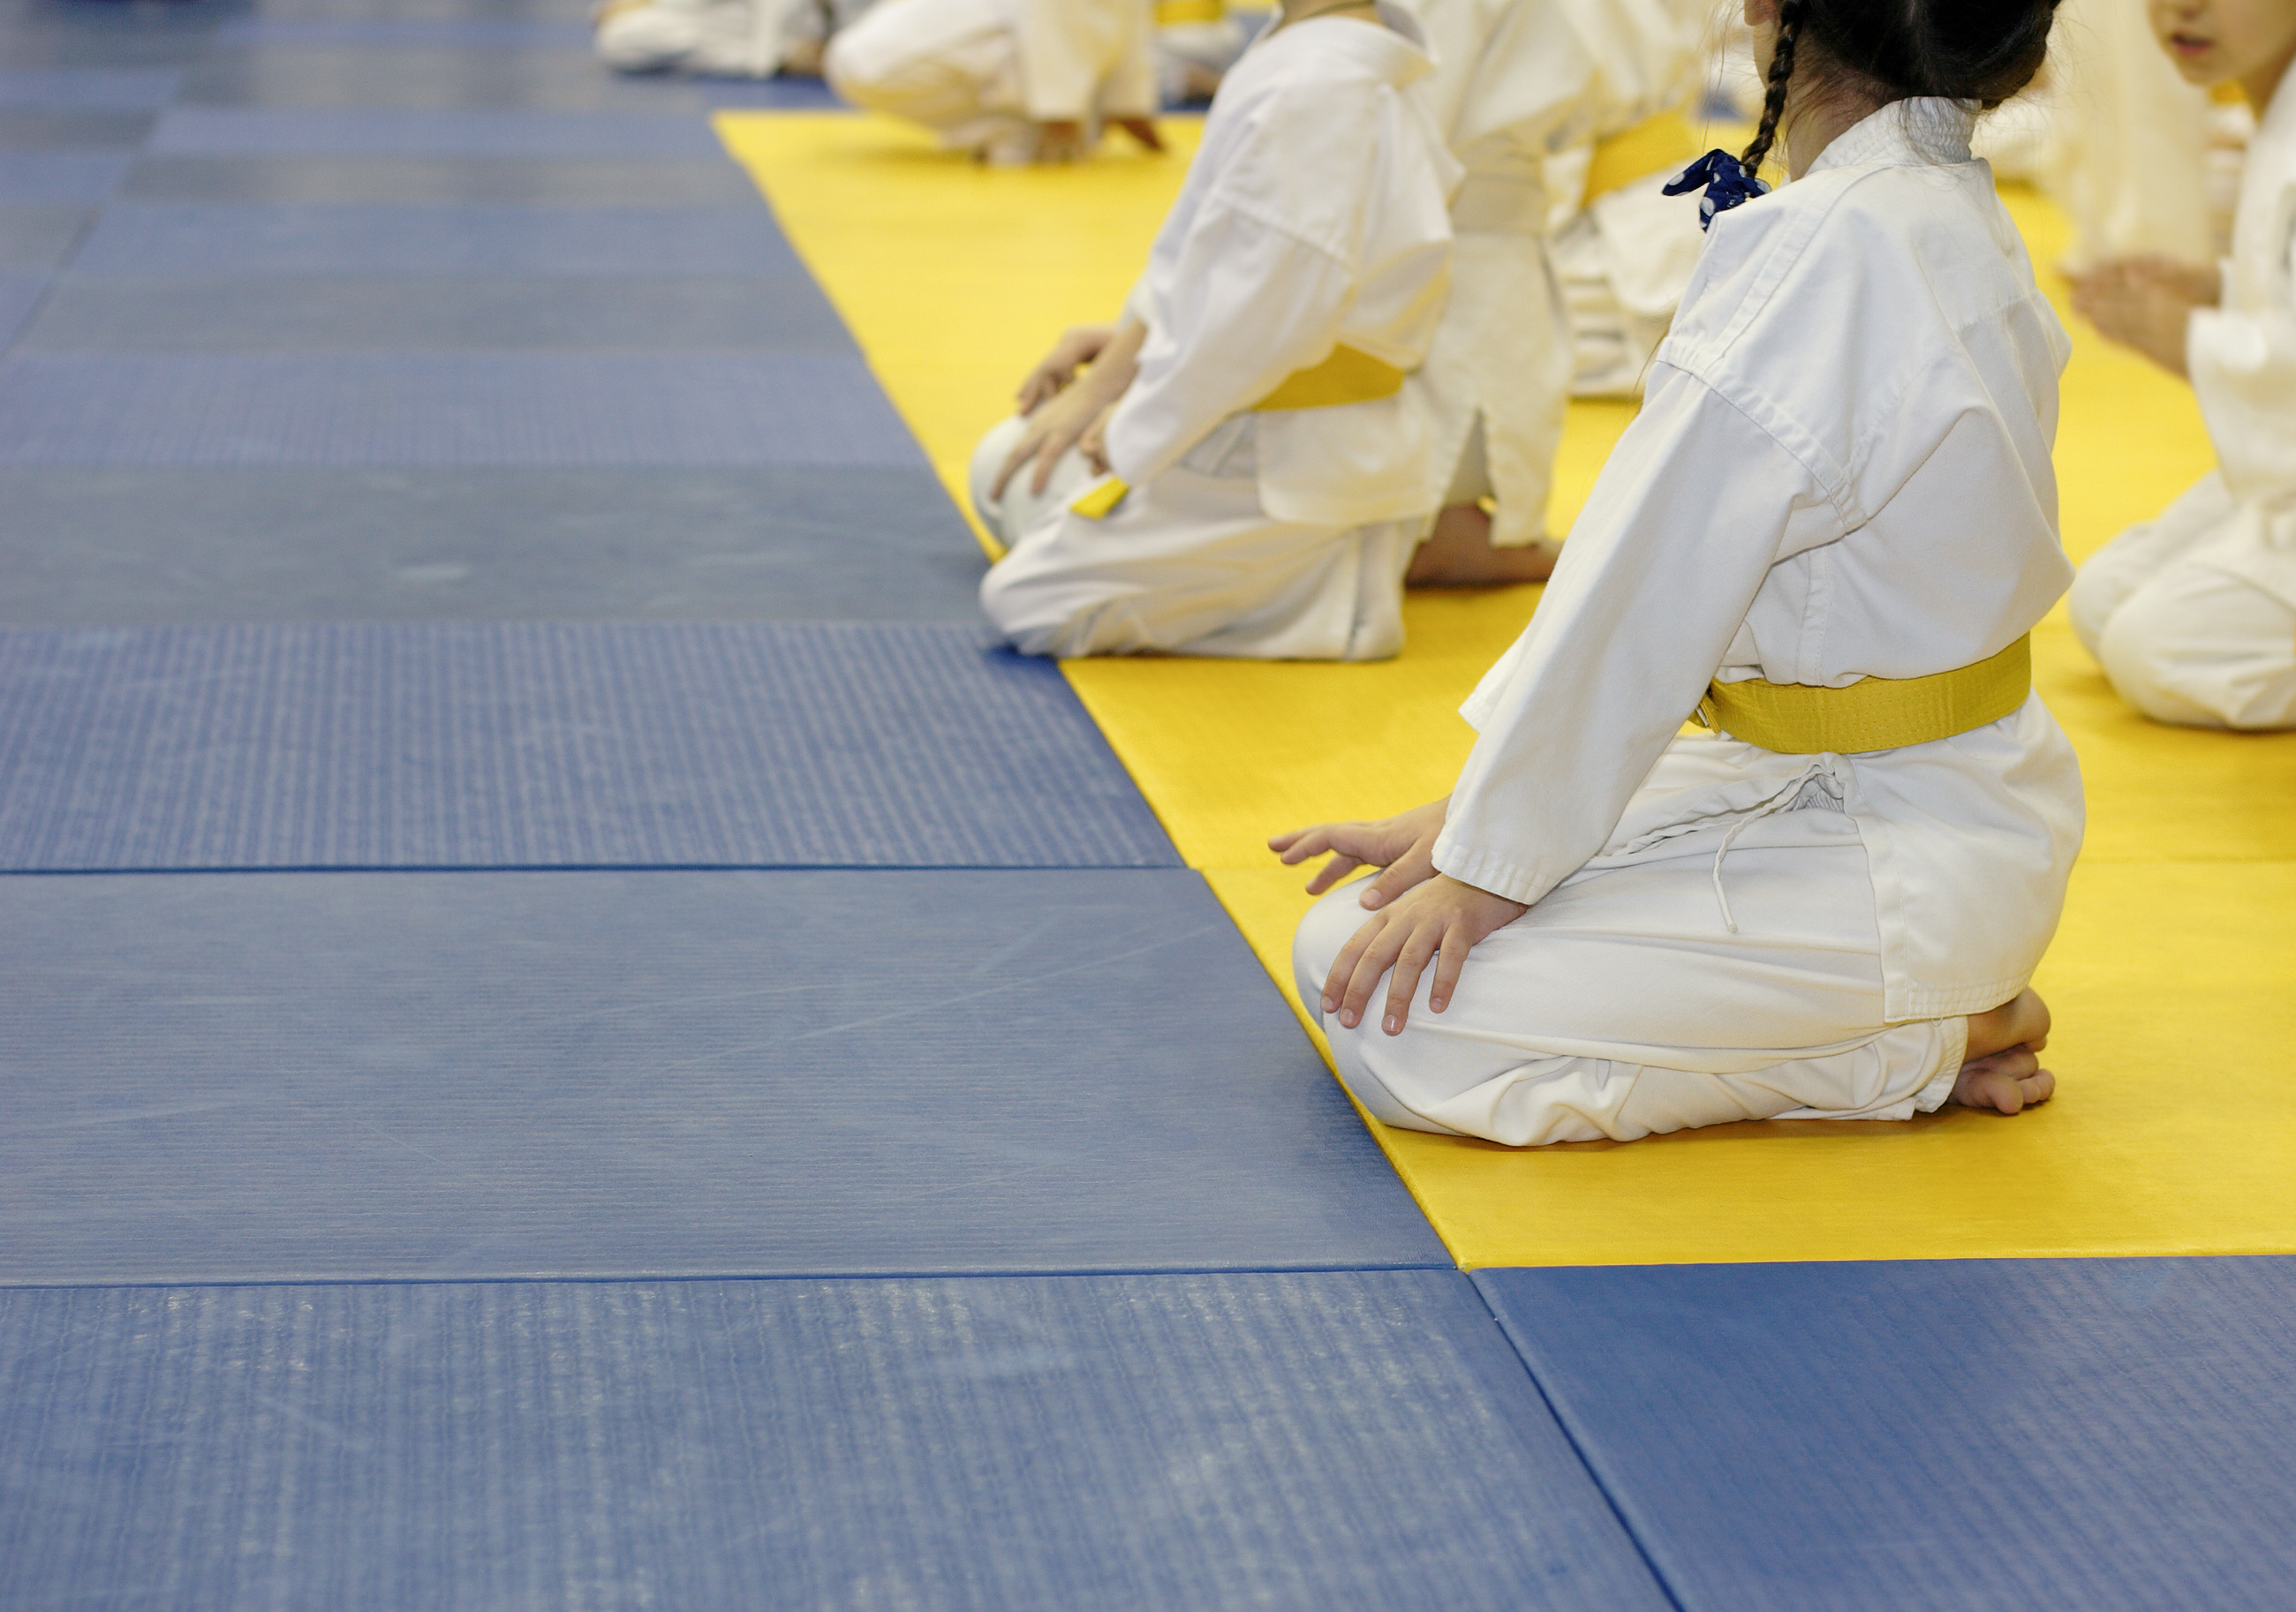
[{"x": 2218, "y": 41}]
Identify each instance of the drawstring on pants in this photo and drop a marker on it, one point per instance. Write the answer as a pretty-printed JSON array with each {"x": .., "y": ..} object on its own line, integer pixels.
[{"x": 1778, "y": 802}]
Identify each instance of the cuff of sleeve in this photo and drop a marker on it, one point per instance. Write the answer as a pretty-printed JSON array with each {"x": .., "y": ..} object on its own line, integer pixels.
[
  {"x": 2223, "y": 343},
  {"x": 1487, "y": 872}
]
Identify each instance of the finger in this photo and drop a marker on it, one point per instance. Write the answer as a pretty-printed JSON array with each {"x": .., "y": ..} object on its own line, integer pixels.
[
  {"x": 1410, "y": 962},
  {"x": 1013, "y": 461},
  {"x": 1415, "y": 866},
  {"x": 1331, "y": 872},
  {"x": 1370, "y": 968},
  {"x": 1283, "y": 842},
  {"x": 1049, "y": 454},
  {"x": 1343, "y": 965},
  {"x": 1448, "y": 963}
]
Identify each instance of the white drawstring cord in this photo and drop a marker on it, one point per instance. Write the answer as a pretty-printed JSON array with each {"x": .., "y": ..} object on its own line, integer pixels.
[{"x": 1778, "y": 802}]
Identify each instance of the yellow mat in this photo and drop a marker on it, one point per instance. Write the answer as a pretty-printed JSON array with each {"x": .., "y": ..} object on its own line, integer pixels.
[{"x": 2174, "y": 1133}]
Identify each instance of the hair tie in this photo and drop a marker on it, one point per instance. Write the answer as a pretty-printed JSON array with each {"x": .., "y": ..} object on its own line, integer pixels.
[{"x": 1727, "y": 184}]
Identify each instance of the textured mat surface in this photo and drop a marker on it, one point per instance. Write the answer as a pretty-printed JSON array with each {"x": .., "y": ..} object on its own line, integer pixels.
[
  {"x": 405, "y": 33},
  {"x": 495, "y": 745},
  {"x": 784, "y": 313},
  {"x": 125, "y": 546},
  {"x": 666, "y": 181},
  {"x": 465, "y": 132},
  {"x": 88, "y": 89},
  {"x": 447, "y": 409},
  {"x": 298, "y": 1075},
  {"x": 330, "y": 74},
  {"x": 1062, "y": 1445},
  {"x": 2093, "y": 1434},
  {"x": 20, "y": 294},
  {"x": 24, "y": 130},
  {"x": 62, "y": 175},
  {"x": 40, "y": 238},
  {"x": 207, "y": 241}
]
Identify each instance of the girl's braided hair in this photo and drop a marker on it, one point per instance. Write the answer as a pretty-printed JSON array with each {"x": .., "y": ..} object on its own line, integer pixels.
[{"x": 1978, "y": 51}]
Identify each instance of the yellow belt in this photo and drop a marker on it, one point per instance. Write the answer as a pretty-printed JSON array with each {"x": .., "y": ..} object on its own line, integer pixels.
[
  {"x": 1347, "y": 376},
  {"x": 1877, "y": 713},
  {"x": 1655, "y": 145},
  {"x": 1171, "y": 12}
]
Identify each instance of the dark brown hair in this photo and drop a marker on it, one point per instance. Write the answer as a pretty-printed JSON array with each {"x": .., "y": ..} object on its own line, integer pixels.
[{"x": 1977, "y": 50}]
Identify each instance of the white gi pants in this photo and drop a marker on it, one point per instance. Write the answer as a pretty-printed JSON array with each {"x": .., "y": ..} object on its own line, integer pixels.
[
  {"x": 1622, "y": 1004},
  {"x": 2181, "y": 633},
  {"x": 952, "y": 65},
  {"x": 1190, "y": 564}
]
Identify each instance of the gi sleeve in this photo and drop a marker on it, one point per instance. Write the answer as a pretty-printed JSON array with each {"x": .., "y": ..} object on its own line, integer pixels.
[
  {"x": 2243, "y": 369},
  {"x": 1694, "y": 507}
]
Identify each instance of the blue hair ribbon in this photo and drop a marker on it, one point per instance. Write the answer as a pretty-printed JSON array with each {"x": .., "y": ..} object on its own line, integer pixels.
[{"x": 1727, "y": 184}]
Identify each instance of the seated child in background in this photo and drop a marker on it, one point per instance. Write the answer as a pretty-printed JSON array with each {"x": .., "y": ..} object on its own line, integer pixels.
[
  {"x": 1829, "y": 530},
  {"x": 720, "y": 38},
  {"x": 1012, "y": 81},
  {"x": 2193, "y": 615},
  {"x": 1241, "y": 470},
  {"x": 1515, "y": 82}
]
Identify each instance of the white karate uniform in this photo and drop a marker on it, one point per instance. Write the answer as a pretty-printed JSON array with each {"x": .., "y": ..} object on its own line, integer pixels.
[
  {"x": 2193, "y": 615},
  {"x": 984, "y": 73},
  {"x": 2128, "y": 157},
  {"x": 1514, "y": 81},
  {"x": 1840, "y": 470},
  {"x": 716, "y": 38},
  {"x": 1623, "y": 260},
  {"x": 1313, "y": 216}
]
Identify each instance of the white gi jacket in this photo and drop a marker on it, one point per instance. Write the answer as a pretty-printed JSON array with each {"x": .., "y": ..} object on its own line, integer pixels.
[
  {"x": 1314, "y": 216},
  {"x": 970, "y": 69},
  {"x": 1081, "y": 59},
  {"x": 2242, "y": 360},
  {"x": 1514, "y": 81},
  {"x": 1841, "y": 469}
]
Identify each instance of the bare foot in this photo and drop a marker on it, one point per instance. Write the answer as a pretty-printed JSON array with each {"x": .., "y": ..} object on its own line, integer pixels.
[
  {"x": 1458, "y": 553},
  {"x": 2003, "y": 1068}
]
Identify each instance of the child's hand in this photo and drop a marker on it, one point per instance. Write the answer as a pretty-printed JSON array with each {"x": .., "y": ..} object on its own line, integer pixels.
[
  {"x": 1093, "y": 443},
  {"x": 1053, "y": 431},
  {"x": 2144, "y": 303},
  {"x": 1404, "y": 845},
  {"x": 1050, "y": 378},
  {"x": 1438, "y": 921}
]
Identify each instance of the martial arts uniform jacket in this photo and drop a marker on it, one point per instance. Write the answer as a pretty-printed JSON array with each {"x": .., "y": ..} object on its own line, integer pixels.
[
  {"x": 1516, "y": 80},
  {"x": 1840, "y": 470}
]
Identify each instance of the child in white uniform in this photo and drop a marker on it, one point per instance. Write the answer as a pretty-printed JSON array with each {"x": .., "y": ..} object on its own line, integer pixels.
[
  {"x": 1514, "y": 81},
  {"x": 1012, "y": 81},
  {"x": 1242, "y": 471},
  {"x": 720, "y": 38},
  {"x": 2193, "y": 615},
  {"x": 1830, "y": 529}
]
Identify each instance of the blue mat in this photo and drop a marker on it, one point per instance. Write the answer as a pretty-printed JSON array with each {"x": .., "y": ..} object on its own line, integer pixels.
[
  {"x": 653, "y": 182},
  {"x": 542, "y": 745},
  {"x": 2100, "y": 1433},
  {"x": 210, "y": 240},
  {"x": 20, "y": 294},
  {"x": 334, "y": 76},
  {"x": 450, "y": 1076},
  {"x": 773, "y": 313},
  {"x": 56, "y": 176},
  {"x": 454, "y": 33},
  {"x": 99, "y": 547},
  {"x": 43, "y": 131},
  {"x": 1280, "y": 1442},
  {"x": 40, "y": 238},
  {"x": 88, "y": 89},
  {"x": 448, "y": 409},
  {"x": 780, "y": 94},
  {"x": 470, "y": 131}
]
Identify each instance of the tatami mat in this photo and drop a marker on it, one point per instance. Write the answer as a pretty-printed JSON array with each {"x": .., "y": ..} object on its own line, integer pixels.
[
  {"x": 109, "y": 547},
  {"x": 61, "y": 176},
  {"x": 2100, "y": 1433},
  {"x": 351, "y": 181},
  {"x": 332, "y": 74},
  {"x": 2184, "y": 825},
  {"x": 402, "y": 410},
  {"x": 1281, "y": 1443},
  {"x": 431, "y": 744},
  {"x": 424, "y": 1076},
  {"x": 29, "y": 130},
  {"x": 273, "y": 238},
  {"x": 40, "y": 238},
  {"x": 588, "y": 313},
  {"x": 88, "y": 88},
  {"x": 452, "y": 132}
]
